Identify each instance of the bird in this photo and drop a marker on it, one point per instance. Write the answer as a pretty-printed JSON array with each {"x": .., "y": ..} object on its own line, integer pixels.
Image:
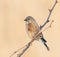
[{"x": 33, "y": 28}]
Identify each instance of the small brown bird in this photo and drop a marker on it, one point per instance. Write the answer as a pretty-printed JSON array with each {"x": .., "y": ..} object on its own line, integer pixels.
[{"x": 32, "y": 30}]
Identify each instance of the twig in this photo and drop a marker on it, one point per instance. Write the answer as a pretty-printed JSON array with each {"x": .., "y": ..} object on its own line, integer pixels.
[
  {"x": 27, "y": 46},
  {"x": 48, "y": 26},
  {"x": 17, "y": 51},
  {"x": 50, "y": 11}
]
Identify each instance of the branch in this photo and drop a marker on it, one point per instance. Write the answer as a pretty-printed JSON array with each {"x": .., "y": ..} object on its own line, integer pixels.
[
  {"x": 24, "y": 49},
  {"x": 17, "y": 51},
  {"x": 27, "y": 46},
  {"x": 50, "y": 11}
]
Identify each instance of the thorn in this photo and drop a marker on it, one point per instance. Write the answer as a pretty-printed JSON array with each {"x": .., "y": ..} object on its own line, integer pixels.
[
  {"x": 52, "y": 20},
  {"x": 56, "y": 1},
  {"x": 47, "y": 20},
  {"x": 49, "y": 10}
]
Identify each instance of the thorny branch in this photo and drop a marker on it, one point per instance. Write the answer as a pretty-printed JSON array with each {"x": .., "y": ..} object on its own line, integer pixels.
[{"x": 29, "y": 44}]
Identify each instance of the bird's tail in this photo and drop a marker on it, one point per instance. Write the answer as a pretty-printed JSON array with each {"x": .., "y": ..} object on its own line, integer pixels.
[{"x": 44, "y": 42}]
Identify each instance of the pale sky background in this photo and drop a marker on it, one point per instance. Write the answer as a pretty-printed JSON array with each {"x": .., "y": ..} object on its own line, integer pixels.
[{"x": 13, "y": 32}]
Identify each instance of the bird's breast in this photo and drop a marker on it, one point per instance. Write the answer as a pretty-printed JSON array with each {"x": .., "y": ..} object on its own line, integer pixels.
[{"x": 32, "y": 29}]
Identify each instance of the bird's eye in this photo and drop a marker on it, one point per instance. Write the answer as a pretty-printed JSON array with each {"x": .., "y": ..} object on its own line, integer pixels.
[{"x": 28, "y": 19}]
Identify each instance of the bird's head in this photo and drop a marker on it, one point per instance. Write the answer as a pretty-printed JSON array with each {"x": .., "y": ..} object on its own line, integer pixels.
[{"x": 29, "y": 19}]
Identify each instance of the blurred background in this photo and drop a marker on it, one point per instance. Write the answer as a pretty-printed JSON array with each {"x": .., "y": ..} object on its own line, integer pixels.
[{"x": 13, "y": 31}]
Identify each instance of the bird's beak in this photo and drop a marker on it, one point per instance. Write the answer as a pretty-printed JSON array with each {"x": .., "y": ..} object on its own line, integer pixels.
[{"x": 25, "y": 19}]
